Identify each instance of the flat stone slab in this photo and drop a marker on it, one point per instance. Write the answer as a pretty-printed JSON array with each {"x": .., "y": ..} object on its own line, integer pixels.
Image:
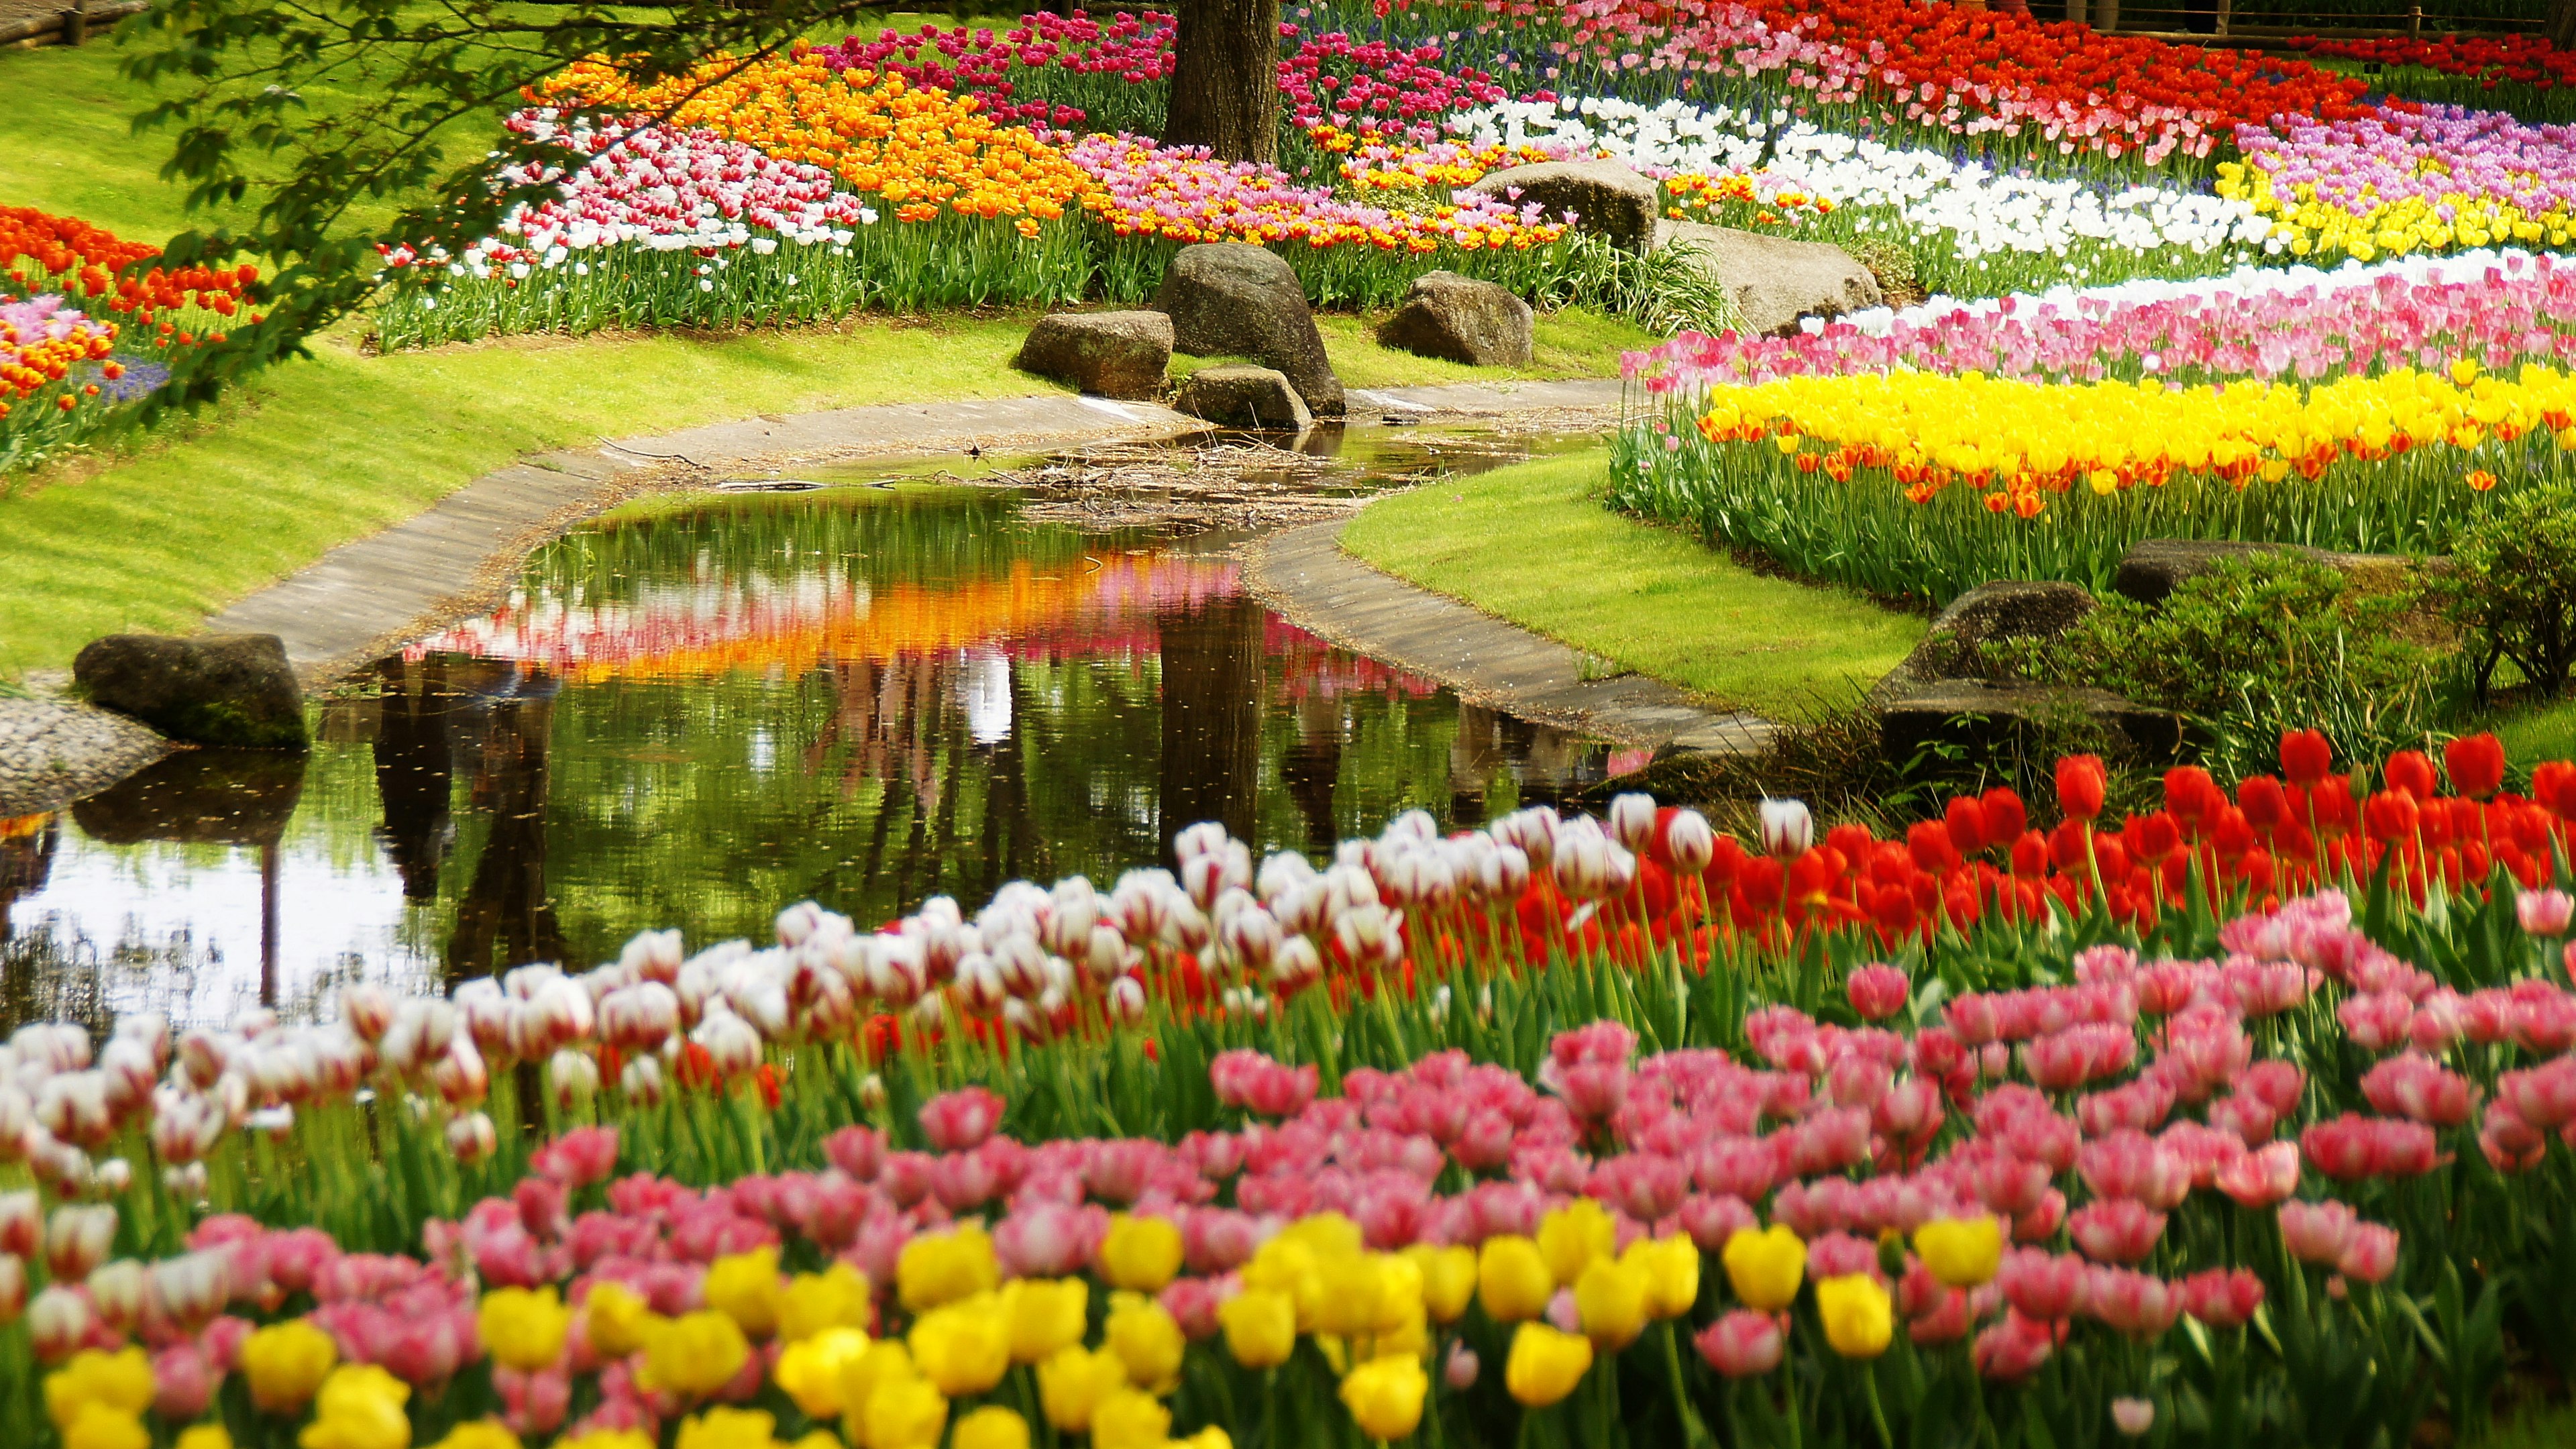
[
  {"x": 1489, "y": 399},
  {"x": 1304, "y": 574},
  {"x": 53, "y": 751}
]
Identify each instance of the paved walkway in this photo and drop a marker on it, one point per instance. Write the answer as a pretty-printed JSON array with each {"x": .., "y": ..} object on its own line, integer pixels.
[
  {"x": 1304, "y": 574},
  {"x": 367, "y": 595}
]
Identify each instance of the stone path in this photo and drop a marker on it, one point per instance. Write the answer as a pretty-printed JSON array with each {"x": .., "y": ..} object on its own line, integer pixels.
[
  {"x": 1482, "y": 399},
  {"x": 367, "y": 595},
  {"x": 1303, "y": 573}
]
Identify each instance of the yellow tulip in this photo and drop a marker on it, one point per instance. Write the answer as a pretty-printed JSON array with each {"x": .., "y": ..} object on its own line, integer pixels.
[
  {"x": 809, "y": 1370},
  {"x": 1140, "y": 1254},
  {"x": 120, "y": 1381},
  {"x": 744, "y": 1287},
  {"x": 1072, "y": 1384},
  {"x": 1327, "y": 1235},
  {"x": 1385, "y": 1396},
  {"x": 837, "y": 1297},
  {"x": 695, "y": 1354},
  {"x": 883, "y": 1362},
  {"x": 100, "y": 1425},
  {"x": 615, "y": 1318},
  {"x": 1129, "y": 1419},
  {"x": 944, "y": 1267},
  {"x": 1147, "y": 1339},
  {"x": 963, "y": 1348},
  {"x": 1765, "y": 1266},
  {"x": 1961, "y": 1252},
  {"x": 1513, "y": 1278},
  {"x": 285, "y": 1364},
  {"x": 1859, "y": 1318},
  {"x": 1545, "y": 1364},
  {"x": 479, "y": 1434},
  {"x": 216, "y": 1436},
  {"x": 1260, "y": 1327},
  {"x": 1448, "y": 1279},
  {"x": 729, "y": 1428},
  {"x": 1047, "y": 1315},
  {"x": 905, "y": 1413},
  {"x": 1290, "y": 1268},
  {"x": 360, "y": 1406},
  {"x": 990, "y": 1427},
  {"x": 1671, "y": 1266},
  {"x": 1574, "y": 1235},
  {"x": 523, "y": 1328},
  {"x": 1611, "y": 1297}
]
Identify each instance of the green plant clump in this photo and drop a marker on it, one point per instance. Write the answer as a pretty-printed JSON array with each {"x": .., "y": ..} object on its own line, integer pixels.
[
  {"x": 2260, "y": 645},
  {"x": 2512, "y": 589}
]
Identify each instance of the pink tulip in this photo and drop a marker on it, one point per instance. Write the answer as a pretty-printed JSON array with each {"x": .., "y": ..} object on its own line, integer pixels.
[
  {"x": 2116, "y": 1230},
  {"x": 1878, "y": 991},
  {"x": 2014, "y": 1349},
  {"x": 2262, "y": 1177},
  {"x": 2370, "y": 1255},
  {"x": 1742, "y": 1344},
  {"x": 2316, "y": 1232}
]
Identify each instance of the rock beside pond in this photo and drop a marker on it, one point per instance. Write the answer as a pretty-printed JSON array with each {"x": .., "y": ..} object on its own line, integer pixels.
[
  {"x": 1461, "y": 319},
  {"x": 1244, "y": 397},
  {"x": 222, "y": 689},
  {"x": 1234, "y": 299},
  {"x": 53, "y": 752},
  {"x": 1111, "y": 354},
  {"x": 2153, "y": 568},
  {"x": 1608, "y": 200},
  {"x": 1772, "y": 280},
  {"x": 1997, "y": 718}
]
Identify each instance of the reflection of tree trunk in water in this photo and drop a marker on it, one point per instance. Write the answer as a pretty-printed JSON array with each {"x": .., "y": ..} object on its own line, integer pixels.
[
  {"x": 506, "y": 918},
  {"x": 944, "y": 835},
  {"x": 26, "y": 864},
  {"x": 415, "y": 770},
  {"x": 1313, "y": 769},
  {"x": 1212, "y": 687},
  {"x": 1013, "y": 849}
]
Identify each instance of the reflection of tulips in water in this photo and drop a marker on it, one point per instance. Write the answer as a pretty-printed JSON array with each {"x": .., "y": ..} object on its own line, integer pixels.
[{"x": 1101, "y": 604}]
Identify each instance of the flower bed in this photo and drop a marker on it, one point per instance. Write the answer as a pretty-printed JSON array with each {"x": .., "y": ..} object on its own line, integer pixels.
[
  {"x": 1265, "y": 1156},
  {"x": 1917, "y": 485},
  {"x": 2396, "y": 182}
]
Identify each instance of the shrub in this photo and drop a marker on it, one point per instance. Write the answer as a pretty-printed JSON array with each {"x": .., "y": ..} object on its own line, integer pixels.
[
  {"x": 2512, "y": 587},
  {"x": 2260, "y": 645}
]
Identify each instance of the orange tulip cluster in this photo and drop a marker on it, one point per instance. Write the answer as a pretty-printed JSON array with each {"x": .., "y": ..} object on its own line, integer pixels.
[
  {"x": 922, "y": 149},
  {"x": 1727, "y": 199},
  {"x": 45, "y": 253}
]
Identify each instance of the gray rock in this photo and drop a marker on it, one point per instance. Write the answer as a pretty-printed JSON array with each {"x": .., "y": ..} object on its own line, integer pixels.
[
  {"x": 53, "y": 752},
  {"x": 1113, "y": 354},
  {"x": 221, "y": 689},
  {"x": 1234, "y": 299},
  {"x": 2153, "y": 568},
  {"x": 2006, "y": 609},
  {"x": 1244, "y": 397},
  {"x": 1997, "y": 719},
  {"x": 1608, "y": 200},
  {"x": 1772, "y": 280},
  {"x": 1461, "y": 319}
]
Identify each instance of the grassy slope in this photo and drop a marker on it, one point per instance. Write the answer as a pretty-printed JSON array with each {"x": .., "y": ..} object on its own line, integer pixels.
[
  {"x": 316, "y": 453},
  {"x": 1570, "y": 343},
  {"x": 1650, "y": 600}
]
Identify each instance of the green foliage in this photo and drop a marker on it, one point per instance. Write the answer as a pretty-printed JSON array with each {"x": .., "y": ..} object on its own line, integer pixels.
[
  {"x": 1665, "y": 291},
  {"x": 2256, "y": 646},
  {"x": 2513, "y": 588}
]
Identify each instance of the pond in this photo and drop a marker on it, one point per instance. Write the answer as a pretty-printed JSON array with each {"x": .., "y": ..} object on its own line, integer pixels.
[{"x": 698, "y": 709}]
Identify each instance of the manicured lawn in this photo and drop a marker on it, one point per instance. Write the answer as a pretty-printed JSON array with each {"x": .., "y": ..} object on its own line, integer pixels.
[
  {"x": 1531, "y": 544},
  {"x": 2547, "y": 733}
]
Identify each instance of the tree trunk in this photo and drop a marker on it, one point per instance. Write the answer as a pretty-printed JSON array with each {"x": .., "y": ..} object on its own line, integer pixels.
[
  {"x": 2562, "y": 24},
  {"x": 1225, "y": 79}
]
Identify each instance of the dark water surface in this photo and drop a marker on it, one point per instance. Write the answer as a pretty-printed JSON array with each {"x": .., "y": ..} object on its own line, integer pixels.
[{"x": 699, "y": 709}]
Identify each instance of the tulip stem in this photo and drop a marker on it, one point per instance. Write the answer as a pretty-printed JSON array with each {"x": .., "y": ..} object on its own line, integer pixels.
[
  {"x": 1877, "y": 1414},
  {"x": 1694, "y": 1432}
]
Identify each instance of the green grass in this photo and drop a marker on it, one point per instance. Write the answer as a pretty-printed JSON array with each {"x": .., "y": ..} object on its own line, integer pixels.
[
  {"x": 1568, "y": 343},
  {"x": 1532, "y": 544},
  {"x": 316, "y": 453},
  {"x": 2547, "y": 732},
  {"x": 2533, "y": 1426}
]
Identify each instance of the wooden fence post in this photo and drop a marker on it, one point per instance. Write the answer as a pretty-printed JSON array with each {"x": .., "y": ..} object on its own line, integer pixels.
[{"x": 76, "y": 23}]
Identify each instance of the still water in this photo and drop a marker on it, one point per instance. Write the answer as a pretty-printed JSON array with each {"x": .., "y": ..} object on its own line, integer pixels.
[{"x": 698, "y": 709}]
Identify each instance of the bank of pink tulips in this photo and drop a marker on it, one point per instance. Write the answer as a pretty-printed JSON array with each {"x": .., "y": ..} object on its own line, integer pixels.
[{"x": 1141, "y": 1163}]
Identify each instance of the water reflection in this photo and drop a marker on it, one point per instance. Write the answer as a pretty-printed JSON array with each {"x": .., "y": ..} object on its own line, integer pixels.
[{"x": 694, "y": 712}]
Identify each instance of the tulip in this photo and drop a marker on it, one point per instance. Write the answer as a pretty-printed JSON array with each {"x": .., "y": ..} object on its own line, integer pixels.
[
  {"x": 1545, "y": 1364},
  {"x": 1075, "y": 1381},
  {"x": 1878, "y": 991},
  {"x": 1461, "y": 1369},
  {"x": 1961, "y": 1252},
  {"x": 810, "y": 1370},
  {"x": 1742, "y": 1344},
  {"x": 695, "y": 1354},
  {"x": 524, "y": 1329},
  {"x": 614, "y": 1319},
  {"x": 285, "y": 1364},
  {"x": 1140, "y": 1254},
  {"x": 122, "y": 1381},
  {"x": 1385, "y": 1396},
  {"x": 1788, "y": 830},
  {"x": 944, "y": 1267},
  {"x": 1261, "y": 1326},
  {"x": 183, "y": 1383},
  {"x": 1610, "y": 1296},
  {"x": 1513, "y": 1278},
  {"x": 837, "y": 1297},
  {"x": 963, "y": 1347},
  {"x": 1449, "y": 1279},
  {"x": 1147, "y": 1339},
  {"x": 77, "y": 1240},
  {"x": 1858, "y": 1315},
  {"x": 2133, "y": 1417},
  {"x": 905, "y": 1413},
  {"x": 2370, "y": 1255},
  {"x": 1765, "y": 1267},
  {"x": 2545, "y": 912},
  {"x": 745, "y": 1287}
]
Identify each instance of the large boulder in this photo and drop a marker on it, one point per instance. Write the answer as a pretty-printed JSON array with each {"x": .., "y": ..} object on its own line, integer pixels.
[
  {"x": 2153, "y": 568},
  {"x": 1772, "y": 280},
  {"x": 222, "y": 689},
  {"x": 1608, "y": 200},
  {"x": 2005, "y": 609},
  {"x": 1113, "y": 354},
  {"x": 1999, "y": 720},
  {"x": 1234, "y": 299},
  {"x": 1244, "y": 397},
  {"x": 1461, "y": 319}
]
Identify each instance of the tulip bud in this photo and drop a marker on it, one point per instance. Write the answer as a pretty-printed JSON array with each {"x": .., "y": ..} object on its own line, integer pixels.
[
  {"x": 77, "y": 1240},
  {"x": 471, "y": 1138},
  {"x": 1461, "y": 1368},
  {"x": 2133, "y": 1417},
  {"x": 58, "y": 1322},
  {"x": 642, "y": 1081},
  {"x": 1788, "y": 828},
  {"x": 1127, "y": 1001},
  {"x": 367, "y": 1011},
  {"x": 22, "y": 1223},
  {"x": 13, "y": 1288},
  {"x": 574, "y": 1077},
  {"x": 117, "y": 1290},
  {"x": 186, "y": 1181}
]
